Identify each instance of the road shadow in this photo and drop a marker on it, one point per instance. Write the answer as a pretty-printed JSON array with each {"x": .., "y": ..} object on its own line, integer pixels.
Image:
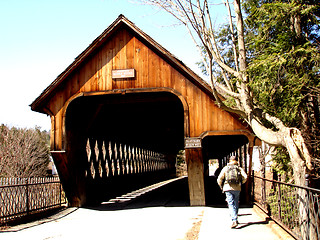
[
  {"x": 244, "y": 225},
  {"x": 172, "y": 194}
]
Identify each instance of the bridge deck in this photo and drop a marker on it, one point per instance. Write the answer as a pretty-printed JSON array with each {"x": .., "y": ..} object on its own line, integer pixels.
[{"x": 162, "y": 213}]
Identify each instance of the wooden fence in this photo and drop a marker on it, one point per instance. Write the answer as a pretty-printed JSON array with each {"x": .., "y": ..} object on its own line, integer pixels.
[{"x": 22, "y": 197}]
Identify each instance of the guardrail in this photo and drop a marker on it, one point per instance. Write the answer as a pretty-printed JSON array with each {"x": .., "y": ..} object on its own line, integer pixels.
[
  {"x": 22, "y": 197},
  {"x": 293, "y": 207}
]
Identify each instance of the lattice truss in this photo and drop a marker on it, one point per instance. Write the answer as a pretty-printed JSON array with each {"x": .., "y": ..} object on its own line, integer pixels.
[{"x": 107, "y": 159}]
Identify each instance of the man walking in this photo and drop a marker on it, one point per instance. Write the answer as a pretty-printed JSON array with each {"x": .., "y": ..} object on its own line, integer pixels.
[{"x": 230, "y": 180}]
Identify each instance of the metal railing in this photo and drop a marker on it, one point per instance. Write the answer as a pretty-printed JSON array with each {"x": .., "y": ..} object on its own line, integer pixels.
[
  {"x": 293, "y": 207},
  {"x": 22, "y": 197}
]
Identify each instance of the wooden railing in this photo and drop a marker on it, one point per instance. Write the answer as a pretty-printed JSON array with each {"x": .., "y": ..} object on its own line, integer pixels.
[
  {"x": 295, "y": 208},
  {"x": 22, "y": 197}
]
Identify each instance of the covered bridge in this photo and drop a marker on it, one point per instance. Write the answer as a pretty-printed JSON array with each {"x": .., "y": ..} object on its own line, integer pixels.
[{"x": 122, "y": 111}]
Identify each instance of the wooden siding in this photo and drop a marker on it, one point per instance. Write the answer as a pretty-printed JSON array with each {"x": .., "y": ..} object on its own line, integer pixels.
[{"x": 123, "y": 50}]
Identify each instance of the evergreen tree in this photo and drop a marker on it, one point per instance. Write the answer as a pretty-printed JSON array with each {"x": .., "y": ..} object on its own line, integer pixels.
[{"x": 284, "y": 63}]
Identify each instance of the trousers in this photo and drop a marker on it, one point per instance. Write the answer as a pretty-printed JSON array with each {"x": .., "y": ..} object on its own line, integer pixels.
[{"x": 232, "y": 198}]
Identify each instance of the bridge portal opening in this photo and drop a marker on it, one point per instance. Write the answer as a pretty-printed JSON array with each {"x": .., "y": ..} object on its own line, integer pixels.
[
  {"x": 123, "y": 141},
  {"x": 216, "y": 150}
]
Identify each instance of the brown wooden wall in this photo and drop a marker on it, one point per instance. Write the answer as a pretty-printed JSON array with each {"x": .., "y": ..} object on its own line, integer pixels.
[{"x": 124, "y": 50}]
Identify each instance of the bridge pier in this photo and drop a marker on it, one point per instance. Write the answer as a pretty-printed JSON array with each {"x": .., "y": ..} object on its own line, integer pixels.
[
  {"x": 194, "y": 159},
  {"x": 72, "y": 182}
]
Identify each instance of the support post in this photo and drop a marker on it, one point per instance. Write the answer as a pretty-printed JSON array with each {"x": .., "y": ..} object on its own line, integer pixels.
[
  {"x": 194, "y": 161},
  {"x": 248, "y": 185}
]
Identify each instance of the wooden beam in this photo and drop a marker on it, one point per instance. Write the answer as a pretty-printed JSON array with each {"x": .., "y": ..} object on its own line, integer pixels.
[
  {"x": 66, "y": 178},
  {"x": 194, "y": 161}
]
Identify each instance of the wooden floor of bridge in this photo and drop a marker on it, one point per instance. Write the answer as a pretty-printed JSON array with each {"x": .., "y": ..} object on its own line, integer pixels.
[{"x": 159, "y": 211}]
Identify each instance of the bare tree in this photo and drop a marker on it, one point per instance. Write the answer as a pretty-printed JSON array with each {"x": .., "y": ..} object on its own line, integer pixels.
[
  {"x": 196, "y": 16},
  {"x": 23, "y": 152}
]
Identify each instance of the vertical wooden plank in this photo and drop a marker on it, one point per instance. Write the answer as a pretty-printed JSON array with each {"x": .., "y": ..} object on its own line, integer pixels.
[
  {"x": 198, "y": 129},
  {"x": 100, "y": 82},
  {"x": 74, "y": 84},
  {"x": 179, "y": 83},
  {"x": 129, "y": 50},
  {"x": 165, "y": 72},
  {"x": 81, "y": 78},
  {"x": 216, "y": 117},
  {"x": 160, "y": 73},
  {"x": 103, "y": 71},
  {"x": 136, "y": 62},
  {"x": 220, "y": 120},
  {"x": 55, "y": 109},
  {"x": 153, "y": 67},
  {"x": 58, "y": 135},
  {"x": 109, "y": 66},
  {"x": 130, "y": 58},
  {"x": 94, "y": 73},
  {"x": 205, "y": 110},
  {"x": 88, "y": 75},
  {"x": 141, "y": 63},
  {"x": 191, "y": 103},
  {"x": 116, "y": 59},
  {"x": 157, "y": 75},
  {"x": 144, "y": 65},
  {"x": 194, "y": 161},
  {"x": 52, "y": 133},
  {"x": 123, "y": 50},
  {"x": 228, "y": 122},
  {"x": 123, "y": 56}
]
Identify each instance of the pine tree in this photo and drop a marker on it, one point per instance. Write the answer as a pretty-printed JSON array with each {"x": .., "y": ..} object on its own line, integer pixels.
[{"x": 284, "y": 63}]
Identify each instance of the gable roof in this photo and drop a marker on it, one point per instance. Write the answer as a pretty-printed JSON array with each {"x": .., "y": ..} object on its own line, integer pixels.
[{"x": 121, "y": 21}]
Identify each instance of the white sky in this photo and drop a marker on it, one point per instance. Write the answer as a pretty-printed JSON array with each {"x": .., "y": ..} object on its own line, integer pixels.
[{"x": 40, "y": 38}]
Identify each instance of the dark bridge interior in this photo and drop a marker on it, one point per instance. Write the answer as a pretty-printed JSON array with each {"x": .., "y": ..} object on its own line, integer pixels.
[
  {"x": 125, "y": 141},
  {"x": 154, "y": 121},
  {"x": 220, "y": 148}
]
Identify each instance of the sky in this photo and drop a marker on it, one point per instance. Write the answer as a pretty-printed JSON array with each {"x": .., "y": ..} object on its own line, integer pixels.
[{"x": 39, "y": 39}]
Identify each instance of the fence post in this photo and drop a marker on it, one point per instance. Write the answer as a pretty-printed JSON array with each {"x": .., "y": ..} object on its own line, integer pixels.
[
  {"x": 253, "y": 186},
  {"x": 60, "y": 194},
  {"x": 263, "y": 194},
  {"x": 279, "y": 200},
  {"x": 27, "y": 195}
]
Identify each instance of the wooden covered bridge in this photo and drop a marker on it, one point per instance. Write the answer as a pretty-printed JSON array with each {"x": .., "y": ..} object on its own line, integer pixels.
[{"x": 122, "y": 111}]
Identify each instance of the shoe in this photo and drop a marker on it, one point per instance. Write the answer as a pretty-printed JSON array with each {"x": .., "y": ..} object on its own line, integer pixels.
[{"x": 234, "y": 224}]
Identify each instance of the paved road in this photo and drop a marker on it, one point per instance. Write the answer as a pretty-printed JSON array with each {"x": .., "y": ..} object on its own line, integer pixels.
[{"x": 160, "y": 214}]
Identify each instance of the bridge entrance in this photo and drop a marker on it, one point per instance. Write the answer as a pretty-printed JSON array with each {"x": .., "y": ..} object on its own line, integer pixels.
[
  {"x": 217, "y": 148},
  {"x": 122, "y": 141},
  {"x": 124, "y": 108}
]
